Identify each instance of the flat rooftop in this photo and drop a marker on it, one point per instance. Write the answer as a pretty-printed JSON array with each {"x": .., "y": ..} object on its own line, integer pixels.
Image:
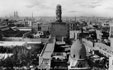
[
  {"x": 17, "y": 43},
  {"x": 24, "y": 28},
  {"x": 11, "y": 43},
  {"x": 25, "y": 39},
  {"x": 48, "y": 51}
]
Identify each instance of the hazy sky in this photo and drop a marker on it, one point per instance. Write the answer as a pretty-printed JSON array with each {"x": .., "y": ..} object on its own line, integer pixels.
[{"x": 48, "y": 7}]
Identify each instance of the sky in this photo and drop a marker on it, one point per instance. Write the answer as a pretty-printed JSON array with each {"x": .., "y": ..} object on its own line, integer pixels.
[{"x": 102, "y": 8}]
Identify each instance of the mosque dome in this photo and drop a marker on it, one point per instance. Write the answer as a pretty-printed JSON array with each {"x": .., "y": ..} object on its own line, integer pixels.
[{"x": 78, "y": 50}]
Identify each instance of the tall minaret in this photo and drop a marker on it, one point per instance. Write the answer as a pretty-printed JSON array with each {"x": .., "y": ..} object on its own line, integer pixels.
[
  {"x": 59, "y": 29},
  {"x": 59, "y": 13}
]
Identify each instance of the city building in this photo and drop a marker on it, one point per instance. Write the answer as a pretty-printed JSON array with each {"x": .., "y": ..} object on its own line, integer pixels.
[{"x": 59, "y": 29}]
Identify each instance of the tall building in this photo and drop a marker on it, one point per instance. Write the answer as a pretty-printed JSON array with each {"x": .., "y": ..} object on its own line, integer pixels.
[
  {"x": 16, "y": 14},
  {"x": 59, "y": 13},
  {"x": 59, "y": 29}
]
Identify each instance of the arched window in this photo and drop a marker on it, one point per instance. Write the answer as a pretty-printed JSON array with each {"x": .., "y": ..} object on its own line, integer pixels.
[
  {"x": 74, "y": 56},
  {"x": 80, "y": 57}
]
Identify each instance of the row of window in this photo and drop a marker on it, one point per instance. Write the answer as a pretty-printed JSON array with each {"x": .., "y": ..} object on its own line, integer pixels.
[{"x": 105, "y": 49}]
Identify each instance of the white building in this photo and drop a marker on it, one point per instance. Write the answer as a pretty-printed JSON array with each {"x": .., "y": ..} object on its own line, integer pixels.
[{"x": 77, "y": 58}]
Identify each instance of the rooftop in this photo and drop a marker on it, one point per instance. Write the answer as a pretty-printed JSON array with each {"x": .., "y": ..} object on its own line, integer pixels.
[{"x": 11, "y": 43}]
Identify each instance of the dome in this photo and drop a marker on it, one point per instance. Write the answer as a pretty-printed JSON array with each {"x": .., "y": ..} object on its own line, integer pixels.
[{"x": 78, "y": 50}]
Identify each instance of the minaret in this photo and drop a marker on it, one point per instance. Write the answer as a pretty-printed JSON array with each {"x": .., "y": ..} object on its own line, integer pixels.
[
  {"x": 16, "y": 14},
  {"x": 59, "y": 29},
  {"x": 32, "y": 15},
  {"x": 58, "y": 13}
]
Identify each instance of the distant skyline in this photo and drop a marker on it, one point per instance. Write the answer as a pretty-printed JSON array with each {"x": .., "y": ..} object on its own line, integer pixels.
[{"x": 102, "y": 8}]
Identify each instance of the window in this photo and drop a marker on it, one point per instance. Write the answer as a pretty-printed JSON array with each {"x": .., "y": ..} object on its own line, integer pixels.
[
  {"x": 80, "y": 56},
  {"x": 74, "y": 56}
]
